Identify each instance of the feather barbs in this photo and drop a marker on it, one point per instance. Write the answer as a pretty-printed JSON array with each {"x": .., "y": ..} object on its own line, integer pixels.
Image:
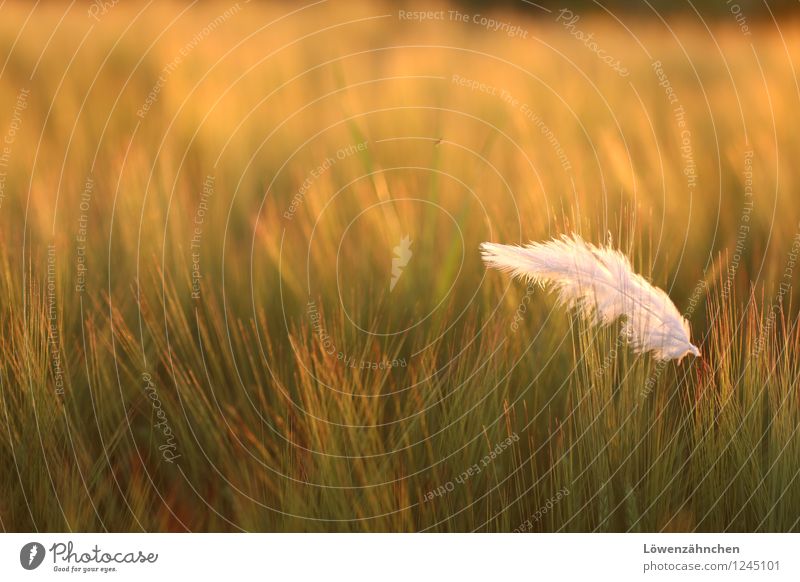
[{"x": 600, "y": 284}]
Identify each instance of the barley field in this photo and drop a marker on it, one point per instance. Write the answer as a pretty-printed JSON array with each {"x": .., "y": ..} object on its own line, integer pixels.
[{"x": 242, "y": 289}]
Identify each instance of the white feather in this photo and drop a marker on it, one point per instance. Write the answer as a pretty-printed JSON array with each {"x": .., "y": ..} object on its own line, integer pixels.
[{"x": 600, "y": 284}]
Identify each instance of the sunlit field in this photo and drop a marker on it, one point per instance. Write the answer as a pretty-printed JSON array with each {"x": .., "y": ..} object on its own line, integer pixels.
[{"x": 242, "y": 288}]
